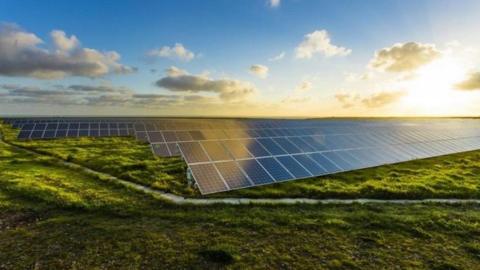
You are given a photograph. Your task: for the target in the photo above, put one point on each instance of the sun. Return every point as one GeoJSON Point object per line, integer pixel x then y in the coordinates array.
{"type": "Point", "coordinates": [431, 90]}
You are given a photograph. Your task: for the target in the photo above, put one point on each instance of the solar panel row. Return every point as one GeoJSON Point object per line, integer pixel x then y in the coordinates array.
{"type": "Point", "coordinates": [217, 176]}
{"type": "Point", "coordinates": [226, 154]}
{"type": "Point", "coordinates": [60, 130]}
{"type": "Point", "coordinates": [265, 146]}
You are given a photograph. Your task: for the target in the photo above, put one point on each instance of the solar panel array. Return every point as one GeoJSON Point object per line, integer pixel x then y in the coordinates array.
{"type": "Point", "coordinates": [228, 154]}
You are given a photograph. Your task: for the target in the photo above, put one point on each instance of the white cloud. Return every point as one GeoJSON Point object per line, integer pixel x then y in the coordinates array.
{"type": "Point", "coordinates": [381, 99]}
{"type": "Point", "coordinates": [347, 100]}
{"type": "Point", "coordinates": [277, 57]}
{"type": "Point", "coordinates": [376, 100]}
{"type": "Point", "coordinates": [260, 71]}
{"type": "Point", "coordinates": [174, 71]}
{"type": "Point", "coordinates": [404, 57]}
{"type": "Point", "coordinates": [304, 86]}
{"type": "Point", "coordinates": [471, 83]}
{"type": "Point", "coordinates": [274, 3]}
{"type": "Point", "coordinates": [355, 77]}
{"type": "Point", "coordinates": [318, 42]}
{"type": "Point", "coordinates": [62, 42]}
{"type": "Point", "coordinates": [176, 52]}
{"type": "Point", "coordinates": [20, 55]}
{"type": "Point", "coordinates": [228, 90]}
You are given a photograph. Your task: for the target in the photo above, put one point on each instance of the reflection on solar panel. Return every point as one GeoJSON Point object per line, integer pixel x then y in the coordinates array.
{"type": "Point", "coordinates": [226, 154]}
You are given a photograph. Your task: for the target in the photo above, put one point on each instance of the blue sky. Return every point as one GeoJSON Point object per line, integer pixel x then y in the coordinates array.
{"type": "Point", "coordinates": [228, 37]}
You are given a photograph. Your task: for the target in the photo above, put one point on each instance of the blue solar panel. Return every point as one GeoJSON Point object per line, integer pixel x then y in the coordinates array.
{"type": "Point", "coordinates": [255, 171]}
{"type": "Point", "coordinates": [72, 133]}
{"type": "Point", "coordinates": [287, 145]}
{"type": "Point", "coordinates": [94, 133]}
{"type": "Point", "coordinates": [61, 133]}
{"type": "Point", "coordinates": [339, 161]}
{"type": "Point", "coordinates": [36, 134]}
{"type": "Point", "coordinates": [301, 144]}
{"type": "Point", "coordinates": [49, 134]}
{"type": "Point", "coordinates": [313, 167]}
{"type": "Point", "coordinates": [328, 165]}
{"type": "Point", "coordinates": [24, 134]}
{"type": "Point", "coordinates": [255, 148]}
{"type": "Point", "coordinates": [276, 170]}
{"type": "Point", "coordinates": [358, 144]}
{"type": "Point", "coordinates": [293, 167]}
{"type": "Point", "coordinates": [271, 146]}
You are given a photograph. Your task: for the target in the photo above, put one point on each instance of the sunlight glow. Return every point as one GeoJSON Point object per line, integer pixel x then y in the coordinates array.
{"type": "Point", "coordinates": [431, 90]}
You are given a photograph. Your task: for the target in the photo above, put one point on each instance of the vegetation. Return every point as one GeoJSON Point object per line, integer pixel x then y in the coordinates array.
{"type": "Point", "coordinates": [453, 176]}
{"type": "Point", "coordinates": [54, 217]}
{"type": "Point", "coordinates": [125, 158]}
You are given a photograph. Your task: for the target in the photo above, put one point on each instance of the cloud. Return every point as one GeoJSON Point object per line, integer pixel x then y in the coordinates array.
{"type": "Point", "coordinates": [277, 57]}
{"type": "Point", "coordinates": [260, 71]}
{"type": "Point", "coordinates": [178, 51]}
{"type": "Point", "coordinates": [274, 3]}
{"type": "Point", "coordinates": [355, 77]}
{"type": "Point", "coordinates": [403, 57]}
{"type": "Point", "coordinates": [228, 90]}
{"type": "Point", "coordinates": [383, 98]}
{"type": "Point", "coordinates": [304, 86]}
{"type": "Point", "coordinates": [347, 100]}
{"type": "Point", "coordinates": [174, 71]}
{"type": "Point", "coordinates": [471, 83]}
{"type": "Point", "coordinates": [98, 88]}
{"type": "Point", "coordinates": [92, 95]}
{"type": "Point", "coordinates": [21, 55]}
{"type": "Point", "coordinates": [318, 42]}
{"type": "Point", "coordinates": [296, 100]}
{"type": "Point", "coordinates": [62, 42]}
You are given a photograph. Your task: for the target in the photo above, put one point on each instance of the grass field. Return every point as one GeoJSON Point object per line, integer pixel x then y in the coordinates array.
{"type": "Point", "coordinates": [454, 176]}
{"type": "Point", "coordinates": [52, 217]}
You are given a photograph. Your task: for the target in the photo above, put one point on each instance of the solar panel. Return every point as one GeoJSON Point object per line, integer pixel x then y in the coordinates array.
{"type": "Point", "coordinates": [255, 148]}
{"type": "Point", "coordinates": [208, 179]}
{"type": "Point", "coordinates": [236, 149]}
{"type": "Point", "coordinates": [215, 150]}
{"type": "Point", "coordinates": [275, 169]}
{"type": "Point", "coordinates": [160, 149]}
{"type": "Point", "coordinates": [255, 172]}
{"type": "Point", "coordinates": [312, 166]}
{"type": "Point", "coordinates": [288, 146]}
{"type": "Point", "coordinates": [295, 168]}
{"type": "Point", "coordinates": [271, 146]}
{"type": "Point", "coordinates": [247, 152]}
{"type": "Point", "coordinates": [193, 152]}
{"type": "Point", "coordinates": [232, 174]}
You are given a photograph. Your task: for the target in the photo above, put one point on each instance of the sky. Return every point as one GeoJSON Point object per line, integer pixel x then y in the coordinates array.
{"type": "Point", "coordinates": [279, 58]}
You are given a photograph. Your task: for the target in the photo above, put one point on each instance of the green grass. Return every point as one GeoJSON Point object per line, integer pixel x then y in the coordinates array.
{"type": "Point", "coordinates": [53, 217]}
{"type": "Point", "coordinates": [453, 176]}
{"type": "Point", "coordinates": [125, 158]}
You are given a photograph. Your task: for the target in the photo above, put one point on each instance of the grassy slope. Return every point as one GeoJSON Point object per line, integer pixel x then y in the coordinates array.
{"type": "Point", "coordinates": [54, 218]}
{"type": "Point", "coordinates": [454, 176]}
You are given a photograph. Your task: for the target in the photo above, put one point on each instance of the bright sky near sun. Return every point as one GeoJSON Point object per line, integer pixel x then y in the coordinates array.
{"type": "Point", "coordinates": [240, 58]}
